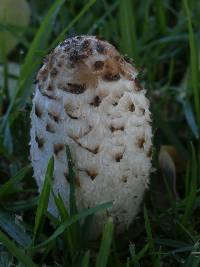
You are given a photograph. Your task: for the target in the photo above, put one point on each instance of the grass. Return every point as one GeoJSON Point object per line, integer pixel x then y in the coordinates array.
{"type": "Point", "coordinates": [163, 39]}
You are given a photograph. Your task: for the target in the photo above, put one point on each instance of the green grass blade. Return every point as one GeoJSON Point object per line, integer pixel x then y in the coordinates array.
{"type": "Point", "coordinates": [5, 259]}
{"type": "Point", "coordinates": [187, 179]}
{"type": "Point", "coordinates": [127, 29]}
{"type": "Point", "coordinates": [168, 132]}
{"type": "Point", "coordinates": [61, 207]}
{"type": "Point", "coordinates": [43, 200]}
{"type": "Point", "coordinates": [134, 259]}
{"type": "Point", "coordinates": [41, 38]}
{"type": "Point", "coordinates": [128, 262]}
{"type": "Point", "coordinates": [171, 243]}
{"type": "Point", "coordinates": [141, 253]}
{"type": "Point", "coordinates": [8, 187]}
{"type": "Point", "coordinates": [86, 230]}
{"type": "Point", "coordinates": [33, 59]}
{"type": "Point", "coordinates": [189, 115]}
{"type": "Point", "coordinates": [160, 16]}
{"type": "Point", "coordinates": [86, 259]}
{"type": "Point", "coordinates": [8, 141]}
{"type": "Point", "coordinates": [16, 31]}
{"type": "Point", "coordinates": [194, 259]}
{"type": "Point", "coordinates": [186, 232]}
{"type": "Point", "coordinates": [72, 220]}
{"type": "Point", "coordinates": [15, 230]}
{"type": "Point", "coordinates": [64, 216]}
{"type": "Point", "coordinates": [149, 235]}
{"type": "Point", "coordinates": [189, 206]}
{"type": "Point", "coordinates": [15, 251]}
{"type": "Point", "coordinates": [101, 21]}
{"type": "Point", "coordinates": [193, 62]}
{"type": "Point", "coordinates": [180, 250]}
{"type": "Point", "coordinates": [3, 56]}
{"type": "Point", "coordinates": [104, 251]}
{"type": "Point", "coordinates": [62, 35]}
{"type": "Point", "coordinates": [22, 205]}
{"type": "Point", "coordinates": [146, 14]}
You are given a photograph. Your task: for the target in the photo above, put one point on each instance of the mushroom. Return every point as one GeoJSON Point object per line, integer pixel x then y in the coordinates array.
{"type": "Point", "coordinates": [88, 97]}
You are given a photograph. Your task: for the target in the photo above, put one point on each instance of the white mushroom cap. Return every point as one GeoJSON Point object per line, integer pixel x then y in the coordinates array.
{"type": "Point", "coordinates": [88, 97]}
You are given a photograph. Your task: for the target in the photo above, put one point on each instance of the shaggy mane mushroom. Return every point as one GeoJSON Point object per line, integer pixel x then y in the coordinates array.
{"type": "Point", "coordinates": [88, 96]}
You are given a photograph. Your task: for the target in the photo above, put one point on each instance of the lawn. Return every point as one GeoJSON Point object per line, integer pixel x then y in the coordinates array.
{"type": "Point", "coordinates": [162, 38]}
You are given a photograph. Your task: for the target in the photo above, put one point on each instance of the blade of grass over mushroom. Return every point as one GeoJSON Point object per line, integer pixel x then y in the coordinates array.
{"type": "Point", "coordinates": [15, 231]}
{"type": "Point", "coordinates": [43, 200]}
{"type": "Point", "coordinates": [8, 187]}
{"type": "Point", "coordinates": [193, 62]}
{"type": "Point", "coordinates": [127, 28]}
{"type": "Point", "coordinates": [33, 59]}
{"type": "Point", "coordinates": [77, 217]}
{"type": "Point", "coordinates": [15, 251]}
{"type": "Point", "coordinates": [61, 36]}
{"type": "Point", "coordinates": [105, 246]}
{"type": "Point", "coordinates": [64, 216]}
{"type": "Point", "coordinates": [54, 220]}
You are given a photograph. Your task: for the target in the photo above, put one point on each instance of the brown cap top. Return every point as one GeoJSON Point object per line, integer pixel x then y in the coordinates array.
{"type": "Point", "coordinates": [84, 60]}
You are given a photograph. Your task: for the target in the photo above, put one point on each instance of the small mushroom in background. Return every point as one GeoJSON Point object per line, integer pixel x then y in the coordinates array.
{"type": "Point", "coordinates": [88, 96]}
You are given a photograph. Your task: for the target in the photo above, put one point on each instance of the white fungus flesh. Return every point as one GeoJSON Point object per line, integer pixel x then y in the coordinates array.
{"type": "Point", "coordinates": [88, 97]}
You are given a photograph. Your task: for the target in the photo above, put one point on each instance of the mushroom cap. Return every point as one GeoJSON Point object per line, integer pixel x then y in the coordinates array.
{"type": "Point", "coordinates": [88, 96]}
